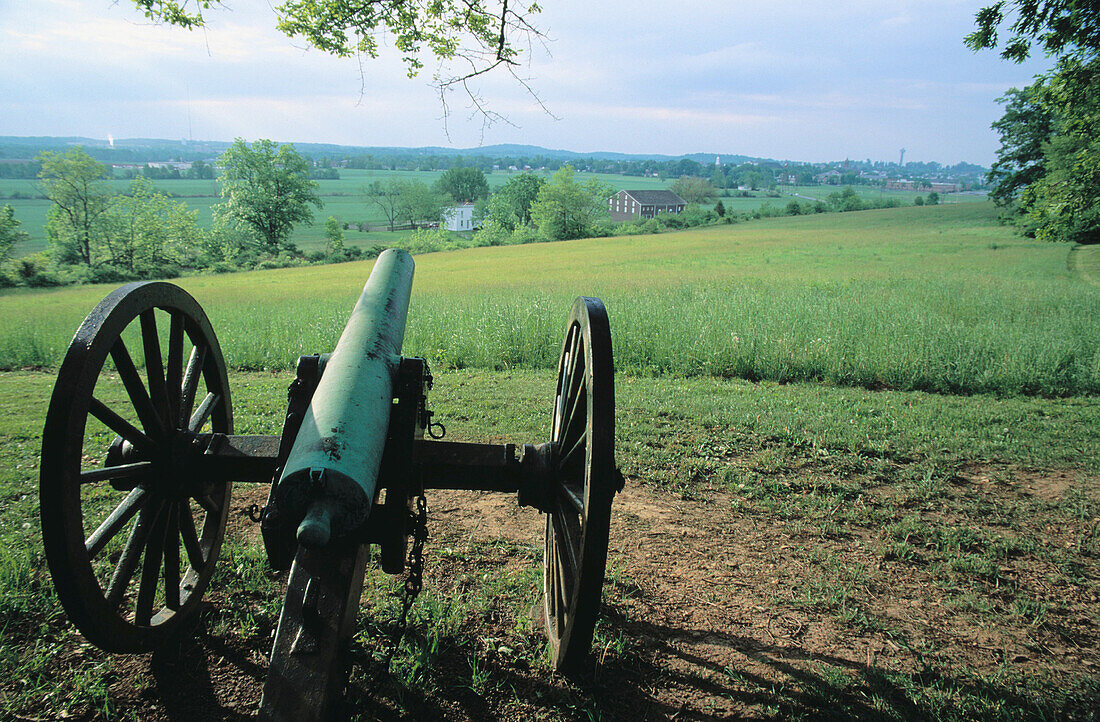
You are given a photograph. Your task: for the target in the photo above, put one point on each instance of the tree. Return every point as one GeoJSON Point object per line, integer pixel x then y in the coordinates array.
{"type": "Point", "coordinates": [268, 189]}
{"type": "Point", "coordinates": [146, 232]}
{"type": "Point", "coordinates": [511, 205]}
{"type": "Point", "coordinates": [200, 170]}
{"type": "Point", "coordinates": [464, 185]}
{"type": "Point", "coordinates": [1064, 204]}
{"type": "Point", "coordinates": [566, 209]}
{"type": "Point", "coordinates": [720, 209]}
{"type": "Point", "coordinates": [1060, 27]}
{"type": "Point", "coordinates": [387, 198]}
{"type": "Point", "coordinates": [335, 235]}
{"type": "Point", "coordinates": [74, 182]}
{"type": "Point", "coordinates": [9, 232]}
{"type": "Point", "coordinates": [1048, 167]}
{"type": "Point", "coordinates": [847, 200]}
{"type": "Point", "coordinates": [1025, 128]}
{"type": "Point", "coordinates": [419, 204]}
{"type": "Point", "coordinates": [933, 198]}
{"type": "Point", "coordinates": [693, 189]}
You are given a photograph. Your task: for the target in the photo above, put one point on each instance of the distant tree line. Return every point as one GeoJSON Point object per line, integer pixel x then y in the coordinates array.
{"type": "Point", "coordinates": [755, 175]}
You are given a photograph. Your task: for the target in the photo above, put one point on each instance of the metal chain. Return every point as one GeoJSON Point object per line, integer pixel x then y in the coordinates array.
{"type": "Point", "coordinates": [414, 582]}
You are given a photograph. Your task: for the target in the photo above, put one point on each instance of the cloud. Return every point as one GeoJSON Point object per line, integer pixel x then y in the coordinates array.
{"type": "Point", "coordinates": [786, 78]}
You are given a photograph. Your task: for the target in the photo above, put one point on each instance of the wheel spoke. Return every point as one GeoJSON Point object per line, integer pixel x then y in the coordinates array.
{"type": "Point", "coordinates": [150, 573]}
{"type": "Point", "coordinates": [114, 523]}
{"type": "Point", "coordinates": [565, 385]}
{"type": "Point", "coordinates": [553, 591]}
{"type": "Point", "coordinates": [566, 576]}
{"type": "Point", "coordinates": [147, 415]}
{"type": "Point", "coordinates": [576, 374]}
{"type": "Point", "coordinates": [190, 538]}
{"type": "Point", "coordinates": [172, 559]}
{"type": "Point", "coordinates": [579, 445]}
{"type": "Point", "coordinates": [568, 430]}
{"type": "Point", "coordinates": [121, 426]}
{"type": "Point", "coordinates": [127, 563]}
{"type": "Point", "coordinates": [206, 501]}
{"type": "Point", "coordinates": [202, 414]}
{"type": "Point", "coordinates": [191, 380]}
{"type": "Point", "coordinates": [575, 500]}
{"type": "Point", "coordinates": [122, 471]}
{"type": "Point", "coordinates": [154, 366]}
{"type": "Point", "coordinates": [566, 541]}
{"type": "Point", "coordinates": [173, 376]}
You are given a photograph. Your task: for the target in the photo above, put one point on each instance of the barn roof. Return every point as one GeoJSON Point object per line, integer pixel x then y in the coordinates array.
{"type": "Point", "coordinates": [656, 198]}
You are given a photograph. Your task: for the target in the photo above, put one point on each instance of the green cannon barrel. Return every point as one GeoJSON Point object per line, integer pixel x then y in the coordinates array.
{"type": "Point", "coordinates": [331, 475]}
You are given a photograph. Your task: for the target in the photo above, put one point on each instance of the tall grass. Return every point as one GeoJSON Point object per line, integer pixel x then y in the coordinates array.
{"type": "Point", "coordinates": [942, 336]}
{"type": "Point", "coordinates": [934, 299]}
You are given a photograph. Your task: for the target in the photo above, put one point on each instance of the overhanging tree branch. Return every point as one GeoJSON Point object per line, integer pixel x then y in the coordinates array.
{"type": "Point", "coordinates": [483, 34]}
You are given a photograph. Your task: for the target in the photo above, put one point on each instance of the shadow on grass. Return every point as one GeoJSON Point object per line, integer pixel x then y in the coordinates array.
{"type": "Point", "coordinates": [202, 676]}
{"type": "Point", "coordinates": [661, 674]}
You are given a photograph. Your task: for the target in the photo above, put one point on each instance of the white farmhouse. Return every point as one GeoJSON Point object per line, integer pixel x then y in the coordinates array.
{"type": "Point", "coordinates": [459, 218]}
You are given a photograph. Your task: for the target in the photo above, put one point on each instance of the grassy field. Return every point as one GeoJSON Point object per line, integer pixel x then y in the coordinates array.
{"type": "Point", "coordinates": [936, 299]}
{"type": "Point", "coordinates": [343, 200]}
{"type": "Point", "coordinates": [817, 539]}
{"type": "Point", "coordinates": [883, 555]}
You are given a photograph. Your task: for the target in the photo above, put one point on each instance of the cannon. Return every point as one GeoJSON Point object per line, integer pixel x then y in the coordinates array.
{"type": "Point", "coordinates": [137, 469]}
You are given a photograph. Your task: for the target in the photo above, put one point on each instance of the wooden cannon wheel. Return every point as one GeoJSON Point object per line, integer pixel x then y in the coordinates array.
{"type": "Point", "coordinates": [584, 483]}
{"type": "Point", "coordinates": [117, 513]}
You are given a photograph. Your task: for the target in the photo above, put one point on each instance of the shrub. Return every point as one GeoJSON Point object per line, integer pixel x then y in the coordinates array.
{"type": "Point", "coordinates": [493, 234]}
{"type": "Point", "coordinates": [526, 233]}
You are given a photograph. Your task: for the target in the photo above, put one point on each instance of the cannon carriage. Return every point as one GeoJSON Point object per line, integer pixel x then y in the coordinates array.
{"type": "Point", "coordinates": [134, 505]}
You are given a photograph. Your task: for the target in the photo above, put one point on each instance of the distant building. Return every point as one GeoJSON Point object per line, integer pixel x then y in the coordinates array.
{"type": "Point", "coordinates": [911, 185]}
{"type": "Point", "coordinates": [459, 218]}
{"type": "Point", "coordinates": [628, 205]}
{"type": "Point", "coordinates": [177, 164]}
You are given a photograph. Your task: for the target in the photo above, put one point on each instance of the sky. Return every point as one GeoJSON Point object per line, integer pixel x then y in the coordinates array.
{"type": "Point", "coordinates": [800, 81]}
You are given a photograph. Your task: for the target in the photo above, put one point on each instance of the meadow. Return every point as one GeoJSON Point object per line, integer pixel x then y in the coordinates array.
{"type": "Point", "coordinates": [939, 299]}
{"type": "Point", "coordinates": [806, 533]}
